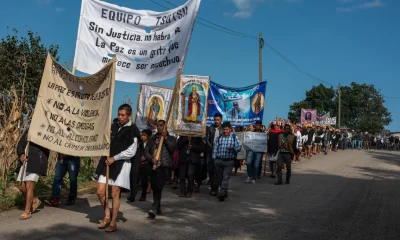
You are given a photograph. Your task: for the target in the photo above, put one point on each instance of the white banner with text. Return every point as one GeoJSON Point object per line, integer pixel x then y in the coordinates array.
{"type": "Point", "coordinates": [150, 46]}
{"type": "Point", "coordinates": [73, 114]}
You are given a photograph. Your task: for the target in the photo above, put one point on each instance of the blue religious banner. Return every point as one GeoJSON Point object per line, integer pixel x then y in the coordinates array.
{"type": "Point", "coordinates": [240, 106]}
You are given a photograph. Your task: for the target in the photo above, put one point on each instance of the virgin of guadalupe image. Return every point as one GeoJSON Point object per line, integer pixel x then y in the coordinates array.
{"type": "Point", "coordinates": [154, 110]}
{"type": "Point", "coordinates": [193, 110]}
{"type": "Point", "coordinates": [257, 103]}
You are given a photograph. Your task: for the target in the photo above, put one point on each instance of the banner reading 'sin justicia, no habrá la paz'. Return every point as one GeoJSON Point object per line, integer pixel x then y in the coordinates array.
{"type": "Point", "coordinates": [72, 114]}
{"type": "Point", "coordinates": [150, 46]}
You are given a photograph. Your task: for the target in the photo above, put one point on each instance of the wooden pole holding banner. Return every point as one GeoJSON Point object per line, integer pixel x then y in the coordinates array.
{"type": "Point", "coordinates": [112, 86]}
{"type": "Point", "coordinates": [169, 114]}
{"type": "Point", "coordinates": [175, 92]}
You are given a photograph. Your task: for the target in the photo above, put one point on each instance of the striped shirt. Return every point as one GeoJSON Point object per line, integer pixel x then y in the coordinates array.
{"type": "Point", "coordinates": [220, 149]}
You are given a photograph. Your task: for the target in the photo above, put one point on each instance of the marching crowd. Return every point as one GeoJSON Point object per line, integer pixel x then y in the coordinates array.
{"type": "Point", "coordinates": [150, 161]}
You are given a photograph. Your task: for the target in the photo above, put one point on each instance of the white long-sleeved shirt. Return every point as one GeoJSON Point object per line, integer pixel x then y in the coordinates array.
{"type": "Point", "coordinates": [130, 151]}
{"type": "Point", "coordinates": [299, 140]}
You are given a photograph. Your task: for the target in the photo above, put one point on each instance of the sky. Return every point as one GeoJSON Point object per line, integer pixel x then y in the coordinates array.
{"type": "Point", "coordinates": [338, 41]}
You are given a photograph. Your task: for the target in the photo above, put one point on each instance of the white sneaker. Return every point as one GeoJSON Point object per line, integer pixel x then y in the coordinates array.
{"type": "Point", "coordinates": [253, 181]}
{"type": "Point", "coordinates": [248, 180]}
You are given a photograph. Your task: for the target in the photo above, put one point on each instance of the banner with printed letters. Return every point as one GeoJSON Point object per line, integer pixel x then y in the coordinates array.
{"type": "Point", "coordinates": [150, 46]}
{"type": "Point", "coordinates": [73, 114]}
{"type": "Point", "coordinates": [240, 106]}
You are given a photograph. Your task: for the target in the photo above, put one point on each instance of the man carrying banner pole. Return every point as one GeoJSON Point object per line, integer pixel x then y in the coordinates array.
{"type": "Point", "coordinates": [125, 140]}
{"type": "Point", "coordinates": [165, 146]}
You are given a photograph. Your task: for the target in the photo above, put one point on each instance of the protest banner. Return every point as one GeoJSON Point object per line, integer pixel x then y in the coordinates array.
{"type": "Point", "coordinates": [153, 104]}
{"type": "Point", "coordinates": [255, 141]}
{"type": "Point", "coordinates": [308, 116]}
{"type": "Point", "coordinates": [73, 114]}
{"type": "Point", "coordinates": [326, 120]}
{"type": "Point", "coordinates": [240, 106]}
{"type": "Point", "coordinates": [191, 106]}
{"type": "Point", "coordinates": [150, 46]}
{"type": "Point", "coordinates": [242, 154]}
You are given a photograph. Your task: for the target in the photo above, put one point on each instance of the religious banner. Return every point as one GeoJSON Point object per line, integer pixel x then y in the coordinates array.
{"type": "Point", "coordinates": [191, 106]}
{"type": "Point", "coordinates": [150, 46]}
{"type": "Point", "coordinates": [73, 114]}
{"type": "Point", "coordinates": [240, 106]}
{"type": "Point", "coordinates": [153, 104]}
{"type": "Point", "coordinates": [255, 141]}
{"type": "Point", "coordinates": [308, 116]}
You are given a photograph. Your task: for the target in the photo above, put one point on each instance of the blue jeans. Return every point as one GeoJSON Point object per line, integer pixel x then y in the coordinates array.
{"type": "Point", "coordinates": [326, 146]}
{"type": "Point", "coordinates": [253, 161]}
{"type": "Point", "coordinates": [360, 142]}
{"type": "Point", "coordinates": [354, 144]}
{"type": "Point", "coordinates": [70, 165]}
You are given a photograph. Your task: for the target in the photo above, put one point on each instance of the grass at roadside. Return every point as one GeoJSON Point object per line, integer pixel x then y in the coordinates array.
{"type": "Point", "coordinates": [10, 197]}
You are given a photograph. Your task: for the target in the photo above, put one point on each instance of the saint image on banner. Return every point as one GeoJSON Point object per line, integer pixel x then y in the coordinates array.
{"type": "Point", "coordinates": [154, 111]}
{"type": "Point", "coordinates": [258, 103]}
{"type": "Point", "coordinates": [193, 108]}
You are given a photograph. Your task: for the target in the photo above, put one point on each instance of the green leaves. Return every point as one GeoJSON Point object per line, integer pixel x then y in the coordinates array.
{"type": "Point", "coordinates": [362, 106]}
{"type": "Point", "coordinates": [18, 51]}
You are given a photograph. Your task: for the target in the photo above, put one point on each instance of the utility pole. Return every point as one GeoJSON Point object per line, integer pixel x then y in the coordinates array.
{"type": "Point", "coordinates": [260, 46]}
{"type": "Point", "coordinates": [340, 105]}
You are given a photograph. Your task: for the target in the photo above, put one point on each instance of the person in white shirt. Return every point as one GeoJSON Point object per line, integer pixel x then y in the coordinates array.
{"type": "Point", "coordinates": [125, 140]}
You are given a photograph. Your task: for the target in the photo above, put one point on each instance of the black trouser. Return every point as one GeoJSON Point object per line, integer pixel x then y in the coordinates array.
{"type": "Point", "coordinates": [287, 159]}
{"type": "Point", "coordinates": [168, 174]}
{"type": "Point", "coordinates": [144, 175]}
{"type": "Point", "coordinates": [199, 171]}
{"type": "Point", "coordinates": [157, 180]}
{"type": "Point", "coordinates": [212, 176]}
{"type": "Point", "coordinates": [236, 165]}
{"type": "Point", "coordinates": [186, 170]}
{"type": "Point", "coordinates": [134, 177]}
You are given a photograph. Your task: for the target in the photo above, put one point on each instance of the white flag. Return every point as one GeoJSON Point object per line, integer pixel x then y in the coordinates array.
{"type": "Point", "coordinates": [150, 46]}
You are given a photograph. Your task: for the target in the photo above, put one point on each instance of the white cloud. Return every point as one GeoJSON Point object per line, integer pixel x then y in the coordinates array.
{"type": "Point", "coordinates": [242, 14]}
{"type": "Point", "coordinates": [60, 9]}
{"type": "Point", "coordinates": [245, 8]}
{"type": "Point", "coordinates": [373, 4]}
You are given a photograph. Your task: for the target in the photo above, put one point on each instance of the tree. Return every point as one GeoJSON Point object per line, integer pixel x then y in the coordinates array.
{"type": "Point", "coordinates": [319, 97]}
{"type": "Point", "coordinates": [362, 106]}
{"type": "Point", "coordinates": [24, 54]}
{"type": "Point", "coordinates": [22, 63]}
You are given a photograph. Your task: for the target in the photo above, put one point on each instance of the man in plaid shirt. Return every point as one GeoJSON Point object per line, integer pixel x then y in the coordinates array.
{"type": "Point", "coordinates": [224, 154]}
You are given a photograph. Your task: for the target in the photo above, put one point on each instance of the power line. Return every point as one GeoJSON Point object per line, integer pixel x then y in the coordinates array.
{"type": "Point", "coordinates": [222, 30]}
{"type": "Point", "coordinates": [274, 50]}
{"type": "Point", "coordinates": [233, 32]}
{"type": "Point", "coordinates": [205, 20]}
